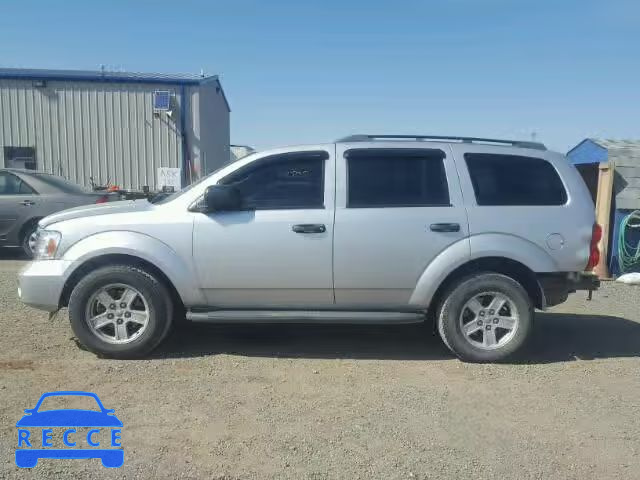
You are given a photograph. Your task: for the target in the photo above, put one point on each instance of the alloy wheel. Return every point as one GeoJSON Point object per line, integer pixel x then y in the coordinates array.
{"type": "Point", "coordinates": [31, 241]}
{"type": "Point", "coordinates": [117, 313]}
{"type": "Point", "coordinates": [489, 320]}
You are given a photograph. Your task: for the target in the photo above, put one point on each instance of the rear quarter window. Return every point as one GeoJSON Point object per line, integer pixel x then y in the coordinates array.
{"type": "Point", "coordinates": [59, 183]}
{"type": "Point", "coordinates": [514, 180]}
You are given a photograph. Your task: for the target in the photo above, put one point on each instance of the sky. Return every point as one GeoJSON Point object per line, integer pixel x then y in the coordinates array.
{"type": "Point", "coordinates": [313, 71]}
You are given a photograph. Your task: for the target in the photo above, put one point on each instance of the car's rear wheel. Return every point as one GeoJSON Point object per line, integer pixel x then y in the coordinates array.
{"type": "Point", "coordinates": [485, 317]}
{"type": "Point", "coordinates": [120, 311]}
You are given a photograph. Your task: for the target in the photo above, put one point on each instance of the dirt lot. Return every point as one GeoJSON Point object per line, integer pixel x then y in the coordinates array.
{"type": "Point", "coordinates": [343, 402]}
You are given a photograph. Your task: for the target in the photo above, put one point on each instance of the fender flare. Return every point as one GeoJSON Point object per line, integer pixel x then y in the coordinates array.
{"type": "Point", "coordinates": [149, 249]}
{"type": "Point", "coordinates": [476, 247]}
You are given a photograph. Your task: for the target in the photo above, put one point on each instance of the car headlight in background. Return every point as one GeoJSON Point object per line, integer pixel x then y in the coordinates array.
{"type": "Point", "coordinates": [47, 242]}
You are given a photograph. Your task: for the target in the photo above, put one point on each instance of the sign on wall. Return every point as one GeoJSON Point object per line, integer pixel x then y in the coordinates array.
{"type": "Point", "coordinates": [170, 177]}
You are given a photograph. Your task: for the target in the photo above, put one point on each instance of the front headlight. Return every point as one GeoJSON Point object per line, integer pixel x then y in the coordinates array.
{"type": "Point", "coordinates": [47, 242]}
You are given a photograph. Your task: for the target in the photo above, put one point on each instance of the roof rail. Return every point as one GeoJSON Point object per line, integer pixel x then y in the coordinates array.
{"type": "Point", "coordinates": [446, 138]}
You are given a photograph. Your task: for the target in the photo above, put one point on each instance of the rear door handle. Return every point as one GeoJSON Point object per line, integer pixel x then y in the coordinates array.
{"type": "Point", "coordinates": [309, 228]}
{"type": "Point", "coordinates": [445, 227]}
{"type": "Point", "coordinates": [27, 203]}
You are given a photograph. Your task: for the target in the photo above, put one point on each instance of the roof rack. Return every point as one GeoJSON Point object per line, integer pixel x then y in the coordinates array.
{"type": "Point", "coordinates": [446, 138]}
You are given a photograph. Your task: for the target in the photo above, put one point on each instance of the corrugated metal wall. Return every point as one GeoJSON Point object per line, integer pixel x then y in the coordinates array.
{"type": "Point", "coordinates": [627, 181]}
{"type": "Point", "coordinates": [107, 131]}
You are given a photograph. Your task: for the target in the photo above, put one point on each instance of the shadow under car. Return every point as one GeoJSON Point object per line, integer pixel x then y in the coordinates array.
{"type": "Point", "coordinates": [557, 337]}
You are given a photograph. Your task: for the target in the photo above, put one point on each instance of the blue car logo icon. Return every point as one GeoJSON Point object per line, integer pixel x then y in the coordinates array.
{"type": "Point", "coordinates": [95, 422]}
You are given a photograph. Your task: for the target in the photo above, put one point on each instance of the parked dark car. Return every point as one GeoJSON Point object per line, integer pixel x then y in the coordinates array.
{"type": "Point", "coordinates": [27, 196]}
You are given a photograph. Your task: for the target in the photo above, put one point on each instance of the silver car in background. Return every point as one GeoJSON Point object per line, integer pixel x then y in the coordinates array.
{"type": "Point", "coordinates": [27, 196]}
{"type": "Point", "coordinates": [470, 234]}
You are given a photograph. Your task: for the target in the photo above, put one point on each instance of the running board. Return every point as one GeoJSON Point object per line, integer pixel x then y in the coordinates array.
{"type": "Point", "coordinates": [303, 316]}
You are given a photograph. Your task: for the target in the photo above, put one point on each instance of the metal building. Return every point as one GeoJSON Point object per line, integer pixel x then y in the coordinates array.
{"type": "Point", "coordinates": [112, 127]}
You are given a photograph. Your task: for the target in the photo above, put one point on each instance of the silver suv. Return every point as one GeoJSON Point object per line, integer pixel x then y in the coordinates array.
{"type": "Point", "coordinates": [470, 234]}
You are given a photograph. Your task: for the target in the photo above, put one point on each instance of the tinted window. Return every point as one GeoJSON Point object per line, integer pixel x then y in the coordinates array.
{"type": "Point", "coordinates": [396, 178]}
{"type": "Point", "coordinates": [282, 181]}
{"type": "Point", "coordinates": [25, 189]}
{"type": "Point", "coordinates": [514, 180]}
{"type": "Point", "coordinates": [12, 185]}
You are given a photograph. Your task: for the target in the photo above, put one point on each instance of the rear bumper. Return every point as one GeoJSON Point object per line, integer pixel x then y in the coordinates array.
{"type": "Point", "coordinates": [585, 281]}
{"type": "Point", "coordinates": [40, 284]}
{"type": "Point", "coordinates": [557, 286]}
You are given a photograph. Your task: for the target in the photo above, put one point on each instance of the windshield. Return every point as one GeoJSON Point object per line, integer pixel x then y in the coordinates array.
{"type": "Point", "coordinates": [162, 198]}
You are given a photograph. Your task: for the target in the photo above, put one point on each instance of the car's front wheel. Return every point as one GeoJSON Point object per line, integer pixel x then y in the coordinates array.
{"type": "Point", "coordinates": [485, 317]}
{"type": "Point", "coordinates": [28, 240]}
{"type": "Point", "coordinates": [120, 311]}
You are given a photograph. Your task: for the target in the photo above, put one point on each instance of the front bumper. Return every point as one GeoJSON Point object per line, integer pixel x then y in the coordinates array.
{"type": "Point", "coordinates": [40, 283]}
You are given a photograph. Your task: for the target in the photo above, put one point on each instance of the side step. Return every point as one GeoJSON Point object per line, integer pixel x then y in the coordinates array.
{"type": "Point", "coordinates": [304, 316]}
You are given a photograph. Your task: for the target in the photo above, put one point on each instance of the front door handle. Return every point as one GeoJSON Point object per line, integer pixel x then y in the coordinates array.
{"type": "Point", "coordinates": [27, 203]}
{"type": "Point", "coordinates": [309, 228]}
{"type": "Point", "coordinates": [445, 227]}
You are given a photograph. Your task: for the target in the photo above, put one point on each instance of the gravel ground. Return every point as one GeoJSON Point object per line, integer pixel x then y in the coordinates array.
{"type": "Point", "coordinates": [307, 402]}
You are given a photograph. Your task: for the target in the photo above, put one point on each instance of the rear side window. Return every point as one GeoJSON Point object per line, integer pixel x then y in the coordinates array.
{"type": "Point", "coordinates": [59, 183]}
{"type": "Point", "coordinates": [396, 178]}
{"type": "Point", "coordinates": [514, 180]}
{"type": "Point", "coordinates": [12, 185]}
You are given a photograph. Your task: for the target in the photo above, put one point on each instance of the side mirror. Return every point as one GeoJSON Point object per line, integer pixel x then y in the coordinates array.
{"type": "Point", "coordinates": [222, 198]}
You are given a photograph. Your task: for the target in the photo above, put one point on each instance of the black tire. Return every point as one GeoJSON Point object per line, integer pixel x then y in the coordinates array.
{"type": "Point", "coordinates": [451, 309]}
{"type": "Point", "coordinates": [24, 240]}
{"type": "Point", "coordinates": [160, 309]}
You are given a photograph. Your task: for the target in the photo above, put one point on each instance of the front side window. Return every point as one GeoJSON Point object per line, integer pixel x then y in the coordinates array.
{"type": "Point", "coordinates": [396, 178]}
{"type": "Point", "coordinates": [288, 181]}
{"type": "Point", "coordinates": [501, 180]}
